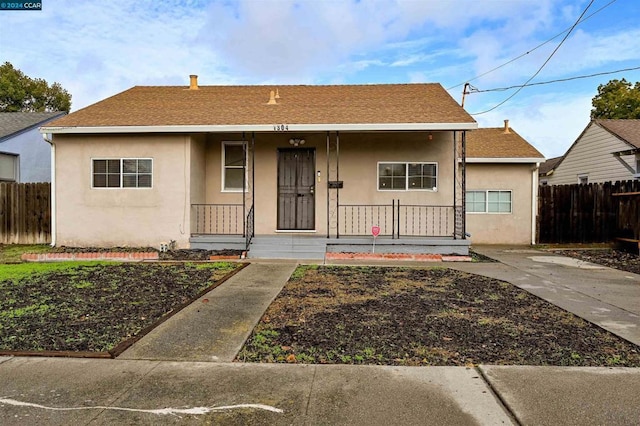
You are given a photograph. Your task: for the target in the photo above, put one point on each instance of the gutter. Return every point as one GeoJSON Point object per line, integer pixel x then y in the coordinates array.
{"type": "Point", "coordinates": [53, 187]}
{"type": "Point", "coordinates": [356, 127]}
{"type": "Point", "coordinates": [534, 202]}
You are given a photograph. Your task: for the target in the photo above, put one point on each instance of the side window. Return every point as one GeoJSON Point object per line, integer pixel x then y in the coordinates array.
{"type": "Point", "coordinates": [488, 201]}
{"type": "Point", "coordinates": [9, 167]}
{"type": "Point", "coordinates": [122, 173]}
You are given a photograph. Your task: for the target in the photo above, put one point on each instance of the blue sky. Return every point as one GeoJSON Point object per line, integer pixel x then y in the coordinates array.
{"type": "Point", "coordinates": [96, 49]}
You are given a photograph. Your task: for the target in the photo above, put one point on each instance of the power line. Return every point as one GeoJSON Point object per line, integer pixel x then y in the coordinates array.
{"type": "Point", "coordinates": [543, 65]}
{"type": "Point", "coordinates": [502, 89]}
{"type": "Point", "coordinates": [534, 49]}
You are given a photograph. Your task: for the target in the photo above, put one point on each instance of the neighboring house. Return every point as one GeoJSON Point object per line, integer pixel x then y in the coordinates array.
{"type": "Point", "coordinates": [547, 168]}
{"type": "Point", "coordinates": [283, 169]}
{"type": "Point", "coordinates": [24, 155]}
{"type": "Point", "coordinates": [501, 187]}
{"type": "Point", "coordinates": [606, 151]}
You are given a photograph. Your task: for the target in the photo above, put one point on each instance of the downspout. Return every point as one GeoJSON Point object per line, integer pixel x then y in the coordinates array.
{"type": "Point", "coordinates": [53, 188]}
{"type": "Point", "coordinates": [534, 202]}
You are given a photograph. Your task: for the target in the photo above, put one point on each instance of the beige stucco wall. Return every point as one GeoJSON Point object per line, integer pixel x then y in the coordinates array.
{"type": "Point", "coordinates": [502, 228]}
{"type": "Point", "coordinates": [358, 166]}
{"type": "Point", "coordinates": [125, 216]}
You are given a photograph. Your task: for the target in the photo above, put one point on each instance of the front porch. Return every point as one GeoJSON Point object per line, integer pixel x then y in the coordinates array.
{"type": "Point", "coordinates": [415, 229]}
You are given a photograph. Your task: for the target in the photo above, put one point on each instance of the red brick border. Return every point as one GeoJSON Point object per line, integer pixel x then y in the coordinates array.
{"type": "Point", "coordinates": [417, 257]}
{"type": "Point", "coordinates": [119, 256]}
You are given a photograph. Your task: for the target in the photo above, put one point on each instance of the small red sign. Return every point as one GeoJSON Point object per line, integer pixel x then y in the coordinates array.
{"type": "Point", "coordinates": [375, 230]}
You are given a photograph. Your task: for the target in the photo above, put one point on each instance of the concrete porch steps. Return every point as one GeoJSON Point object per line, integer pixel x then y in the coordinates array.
{"type": "Point", "coordinates": [287, 247]}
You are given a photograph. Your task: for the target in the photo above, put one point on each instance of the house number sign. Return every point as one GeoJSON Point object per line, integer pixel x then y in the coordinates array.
{"type": "Point", "coordinates": [280, 127]}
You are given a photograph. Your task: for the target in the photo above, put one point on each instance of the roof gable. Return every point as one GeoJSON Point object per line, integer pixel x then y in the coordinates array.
{"type": "Point", "coordinates": [626, 130]}
{"type": "Point", "coordinates": [295, 105]}
{"type": "Point", "coordinates": [495, 143]}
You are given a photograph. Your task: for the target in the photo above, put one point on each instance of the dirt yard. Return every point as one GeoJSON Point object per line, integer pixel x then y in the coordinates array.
{"type": "Point", "coordinates": [92, 306]}
{"type": "Point", "coordinates": [397, 316]}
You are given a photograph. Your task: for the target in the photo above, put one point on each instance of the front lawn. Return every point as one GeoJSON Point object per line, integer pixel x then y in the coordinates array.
{"type": "Point", "coordinates": [93, 306]}
{"type": "Point", "coordinates": [404, 316]}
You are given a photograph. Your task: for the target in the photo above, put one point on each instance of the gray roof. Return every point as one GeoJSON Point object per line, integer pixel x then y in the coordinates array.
{"type": "Point", "coordinates": [13, 123]}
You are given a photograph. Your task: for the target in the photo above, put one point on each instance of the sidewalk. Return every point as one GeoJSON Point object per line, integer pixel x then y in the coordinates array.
{"type": "Point", "coordinates": [601, 295]}
{"type": "Point", "coordinates": [215, 326]}
{"type": "Point", "coordinates": [57, 391]}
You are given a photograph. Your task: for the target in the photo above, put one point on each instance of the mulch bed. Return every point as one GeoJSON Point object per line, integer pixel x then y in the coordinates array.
{"type": "Point", "coordinates": [96, 307]}
{"type": "Point", "coordinates": [612, 258]}
{"type": "Point", "coordinates": [402, 316]}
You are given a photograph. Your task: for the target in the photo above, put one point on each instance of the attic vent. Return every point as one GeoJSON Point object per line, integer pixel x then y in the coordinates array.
{"type": "Point", "coordinates": [506, 126]}
{"type": "Point", "coordinates": [272, 98]}
{"type": "Point", "coordinates": [193, 83]}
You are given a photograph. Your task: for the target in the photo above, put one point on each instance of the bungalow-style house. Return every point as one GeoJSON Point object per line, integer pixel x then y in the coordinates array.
{"type": "Point", "coordinates": [284, 171]}
{"type": "Point", "coordinates": [501, 187]}
{"type": "Point", "coordinates": [546, 169]}
{"type": "Point", "coordinates": [605, 151]}
{"type": "Point", "coordinates": [24, 156]}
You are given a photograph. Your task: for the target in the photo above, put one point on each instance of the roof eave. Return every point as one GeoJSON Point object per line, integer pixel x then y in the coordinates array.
{"type": "Point", "coordinates": [521, 160]}
{"type": "Point", "coordinates": [262, 128]}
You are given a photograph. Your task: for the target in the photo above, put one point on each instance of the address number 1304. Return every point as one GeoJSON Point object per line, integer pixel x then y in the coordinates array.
{"type": "Point", "coordinates": [280, 127]}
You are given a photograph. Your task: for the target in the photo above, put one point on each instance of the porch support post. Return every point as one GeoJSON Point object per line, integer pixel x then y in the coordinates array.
{"type": "Point", "coordinates": [455, 181]}
{"type": "Point", "coordinates": [464, 185]}
{"type": "Point", "coordinates": [244, 185]}
{"type": "Point", "coordinates": [327, 177]}
{"type": "Point", "coordinates": [338, 179]}
{"type": "Point", "coordinates": [253, 182]}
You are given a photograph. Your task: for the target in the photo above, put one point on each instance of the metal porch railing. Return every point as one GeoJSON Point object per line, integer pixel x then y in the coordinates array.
{"type": "Point", "coordinates": [217, 219]}
{"type": "Point", "coordinates": [396, 220]}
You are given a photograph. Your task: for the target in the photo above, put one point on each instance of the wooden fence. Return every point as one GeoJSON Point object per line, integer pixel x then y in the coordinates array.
{"type": "Point", "coordinates": [25, 213]}
{"type": "Point", "coordinates": [593, 213]}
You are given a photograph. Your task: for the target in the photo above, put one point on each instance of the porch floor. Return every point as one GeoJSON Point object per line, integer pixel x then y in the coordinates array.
{"type": "Point", "coordinates": [296, 246]}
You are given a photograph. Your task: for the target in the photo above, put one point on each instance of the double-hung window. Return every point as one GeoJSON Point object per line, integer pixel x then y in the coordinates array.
{"type": "Point", "coordinates": [234, 166]}
{"type": "Point", "coordinates": [398, 176]}
{"type": "Point", "coordinates": [9, 167]}
{"type": "Point", "coordinates": [488, 201]}
{"type": "Point", "coordinates": [122, 173]}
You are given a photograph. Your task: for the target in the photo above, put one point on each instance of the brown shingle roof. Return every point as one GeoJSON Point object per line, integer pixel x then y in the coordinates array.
{"type": "Point", "coordinates": [627, 130]}
{"type": "Point", "coordinates": [247, 105]}
{"type": "Point", "coordinates": [493, 142]}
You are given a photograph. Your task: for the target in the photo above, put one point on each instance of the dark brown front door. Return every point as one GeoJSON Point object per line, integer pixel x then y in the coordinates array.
{"type": "Point", "coordinates": [296, 189]}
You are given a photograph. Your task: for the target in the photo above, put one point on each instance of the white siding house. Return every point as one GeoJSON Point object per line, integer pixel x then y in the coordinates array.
{"type": "Point", "coordinates": [606, 151]}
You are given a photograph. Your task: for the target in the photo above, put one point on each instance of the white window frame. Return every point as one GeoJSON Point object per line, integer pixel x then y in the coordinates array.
{"type": "Point", "coordinates": [121, 159]}
{"type": "Point", "coordinates": [223, 167]}
{"type": "Point", "coordinates": [16, 166]}
{"type": "Point", "coordinates": [584, 176]}
{"type": "Point", "coordinates": [486, 200]}
{"type": "Point", "coordinates": [406, 176]}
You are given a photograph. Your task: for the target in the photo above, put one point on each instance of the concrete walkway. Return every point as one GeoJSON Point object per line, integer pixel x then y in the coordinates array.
{"type": "Point", "coordinates": [214, 327]}
{"type": "Point", "coordinates": [604, 296]}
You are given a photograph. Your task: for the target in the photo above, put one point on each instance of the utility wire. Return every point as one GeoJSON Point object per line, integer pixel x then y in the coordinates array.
{"type": "Point", "coordinates": [532, 50]}
{"type": "Point", "coordinates": [502, 89]}
{"type": "Point", "coordinates": [543, 65]}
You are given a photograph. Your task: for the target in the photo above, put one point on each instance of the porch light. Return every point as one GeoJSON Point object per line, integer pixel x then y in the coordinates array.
{"type": "Point", "coordinates": [296, 141]}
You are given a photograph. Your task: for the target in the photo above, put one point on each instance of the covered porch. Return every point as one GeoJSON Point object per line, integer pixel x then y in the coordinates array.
{"type": "Point", "coordinates": [304, 196]}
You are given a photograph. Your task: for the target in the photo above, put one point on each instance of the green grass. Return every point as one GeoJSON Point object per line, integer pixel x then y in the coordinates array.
{"type": "Point", "coordinates": [18, 271]}
{"type": "Point", "coordinates": [10, 253]}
